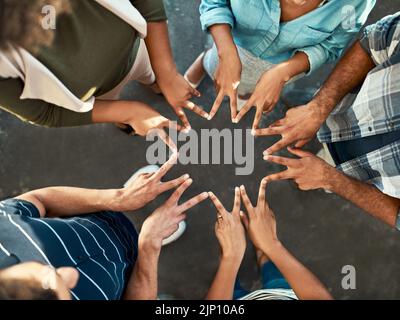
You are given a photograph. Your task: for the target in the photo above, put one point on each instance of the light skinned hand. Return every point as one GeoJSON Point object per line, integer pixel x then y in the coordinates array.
{"type": "Point", "coordinates": [309, 172]}
{"type": "Point", "coordinates": [260, 221]}
{"type": "Point", "coordinates": [164, 221]}
{"type": "Point", "coordinates": [227, 79]}
{"type": "Point", "coordinates": [148, 186]}
{"type": "Point", "coordinates": [299, 126]}
{"type": "Point", "coordinates": [229, 229]}
{"type": "Point", "coordinates": [178, 92]}
{"type": "Point", "coordinates": [265, 96]}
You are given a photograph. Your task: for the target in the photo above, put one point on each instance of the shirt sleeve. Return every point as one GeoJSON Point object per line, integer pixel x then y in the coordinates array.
{"type": "Point", "coordinates": [215, 12]}
{"type": "Point", "coordinates": [330, 49]}
{"type": "Point", "coordinates": [151, 10]}
{"type": "Point", "coordinates": [381, 40]}
{"type": "Point", "coordinates": [19, 207]}
{"type": "Point", "coordinates": [37, 111]}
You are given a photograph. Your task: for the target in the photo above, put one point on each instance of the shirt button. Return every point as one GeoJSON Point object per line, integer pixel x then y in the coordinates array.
{"type": "Point", "coordinates": [353, 133]}
{"type": "Point", "coordinates": [340, 135]}
{"type": "Point", "coordinates": [369, 128]}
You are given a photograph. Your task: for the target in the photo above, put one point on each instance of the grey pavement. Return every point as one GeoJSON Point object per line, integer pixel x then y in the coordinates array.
{"type": "Point", "coordinates": [322, 230]}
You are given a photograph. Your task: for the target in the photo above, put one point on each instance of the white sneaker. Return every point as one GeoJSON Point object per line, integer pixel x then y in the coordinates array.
{"type": "Point", "coordinates": [182, 225]}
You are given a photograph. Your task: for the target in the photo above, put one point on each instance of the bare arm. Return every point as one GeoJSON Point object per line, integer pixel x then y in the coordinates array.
{"type": "Point", "coordinates": [175, 88]}
{"type": "Point", "coordinates": [350, 72]}
{"type": "Point", "coordinates": [366, 197]}
{"type": "Point", "coordinates": [311, 172]}
{"type": "Point", "coordinates": [231, 236]}
{"type": "Point", "coordinates": [158, 226]}
{"type": "Point", "coordinates": [303, 282]}
{"type": "Point", "coordinates": [224, 281]}
{"type": "Point", "coordinates": [301, 124]}
{"type": "Point", "coordinates": [67, 201]}
{"type": "Point", "coordinates": [261, 225]}
{"type": "Point", "coordinates": [143, 284]}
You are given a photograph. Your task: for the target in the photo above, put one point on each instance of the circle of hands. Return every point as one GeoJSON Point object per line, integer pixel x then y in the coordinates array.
{"type": "Point", "coordinates": [296, 129]}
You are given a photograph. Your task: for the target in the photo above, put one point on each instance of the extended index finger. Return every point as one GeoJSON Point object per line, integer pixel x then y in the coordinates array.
{"type": "Point", "coordinates": [217, 104]}
{"type": "Point", "coordinates": [166, 167]}
{"type": "Point", "coordinates": [218, 205]}
{"type": "Point", "coordinates": [196, 109]}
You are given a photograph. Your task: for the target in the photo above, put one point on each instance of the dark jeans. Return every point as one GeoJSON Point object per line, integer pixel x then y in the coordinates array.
{"type": "Point", "coordinates": [272, 278]}
{"type": "Point", "coordinates": [344, 151]}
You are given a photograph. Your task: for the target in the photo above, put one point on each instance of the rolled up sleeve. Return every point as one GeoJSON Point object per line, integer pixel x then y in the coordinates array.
{"type": "Point", "coordinates": [215, 12]}
{"type": "Point", "coordinates": [381, 40]}
{"type": "Point", "coordinates": [151, 10]}
{"type": "Point", "coordinates": [37, 111]}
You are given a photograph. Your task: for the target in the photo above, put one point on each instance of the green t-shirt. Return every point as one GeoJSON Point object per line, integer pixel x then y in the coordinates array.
{"type": "Point", "coordinates": [92, 52]}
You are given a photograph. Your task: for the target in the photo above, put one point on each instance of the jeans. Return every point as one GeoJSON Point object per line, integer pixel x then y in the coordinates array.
{"type": "Point", "coordinates": [272, 278]}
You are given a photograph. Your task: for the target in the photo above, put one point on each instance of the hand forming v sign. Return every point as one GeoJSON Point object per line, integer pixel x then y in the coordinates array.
{"type": "Point", "coordinates": [146, 187]}
{"type": "Point", "coordinates": [229, 229]}
{"type": "Point", "coordinates": [299, 126]}
{"type": "Point", "coordinates": [265, 96]}
{"type": "Point", "coordinates": [227, 80]}
{"type": "Point", "coordinates": [309, 172]}
{"type": "Point", "coordinates": [178, 92]}
{"type": "Point", "coordinates": [260, 220]}
{"type": "Point", "coordinates": [164, 221]}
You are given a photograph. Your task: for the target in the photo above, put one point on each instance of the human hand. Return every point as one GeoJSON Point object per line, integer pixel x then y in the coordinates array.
{"type": "Point", "coordinates": [164, 221]}
{"type": "Point", "coordinates": [299, 126]}
{"type": "Point", "coordinates": [229, 229]}
{"type": "Point", "coordinates": [178, 93]}
{"type": "Point", "coordinates": [265, 96]}
{"type": "Point", "coordinates": [227, 80]}
{"type": "Point", "coordinates": [309, 172]}
{"type": "Point", "coordinates": [146, 187]}
{"type": "Point", "coordinates": [260, 220]}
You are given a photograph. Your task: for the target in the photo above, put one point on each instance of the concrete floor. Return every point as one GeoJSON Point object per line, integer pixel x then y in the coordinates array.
{"type": "Point", "coordinates": [322, 230]}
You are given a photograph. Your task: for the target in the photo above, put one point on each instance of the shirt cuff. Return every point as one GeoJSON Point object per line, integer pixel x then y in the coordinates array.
{"type": "Point", "coordinates": [216, 16]}
{"type": "Point", "coordinates": [316, 57]}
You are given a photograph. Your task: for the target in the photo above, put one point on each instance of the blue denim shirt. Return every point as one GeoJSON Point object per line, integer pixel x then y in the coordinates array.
{"type": "Point", "coordinates": [322, 34]}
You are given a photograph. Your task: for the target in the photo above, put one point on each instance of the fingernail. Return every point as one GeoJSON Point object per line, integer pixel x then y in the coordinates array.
{"type": "Point", "coordinates": [209, 117]}
{"type": "Point", "coordinates": [206, 116]}
{"type": "Point", "coordinates": [236, 189]}
{"type": "Point", "coordinates": [266, 157]}
{"type": "Point", "coordinates": [186, 176]}
{"type": "Point", "coordinates": [242, 187]}
{"type": "Point", "coordinates": [253, 132]}
{"type": "Point", "coordinates": [190, 181]}
{"type": "Point", "coordinates": [205, 195]}
{"type": "Point", "coordinates": [266, 153]}
{"type": "Point", "coordinates": [235, 120]}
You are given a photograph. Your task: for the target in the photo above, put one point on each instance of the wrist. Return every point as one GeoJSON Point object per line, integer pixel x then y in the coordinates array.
{"type": "Point", "coordinates": [231, 260]}
{"type": "Point", "coordinates": [332, 178]}
{"type": "Point", "coordinates": [283, 72]}
{"type": "Point", "coordinates": [149, 247]}
{"type": "Point", "coordinates": [271, 247]}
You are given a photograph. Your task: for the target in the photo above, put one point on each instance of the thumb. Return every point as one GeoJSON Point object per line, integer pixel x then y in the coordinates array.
{"type": "Point", "coordinates": [245, 220]}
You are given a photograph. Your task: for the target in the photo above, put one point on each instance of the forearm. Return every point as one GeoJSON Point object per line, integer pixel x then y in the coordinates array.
{"type": "Point", "coordinates": [222, 35]}
{"type": "Point", "coordinates": [67, 201]}
{"type": "Point", "coordinates": [303, 282]}
{"type": "Point", "coordinates": [159, 48]}
{"type": "Point", "coordinates": [350, 72]}
{"type": "Point", "coordinates": [143, 284]}
{"type": "Point", "coordinates": [224, 281]}
{"type": "Point", "coordinates": [365, 196]}
{"type": "Point", "coordinates": [296, 65]}
{"type": "Point", "coordinates": [118, 111]}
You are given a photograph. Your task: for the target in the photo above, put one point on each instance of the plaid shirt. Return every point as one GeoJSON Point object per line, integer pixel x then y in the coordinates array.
{"type": "Point", "coordinates": [373, 109]}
